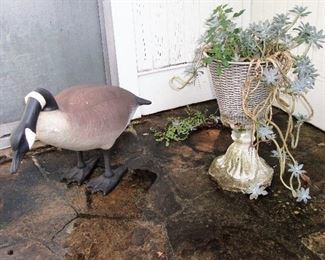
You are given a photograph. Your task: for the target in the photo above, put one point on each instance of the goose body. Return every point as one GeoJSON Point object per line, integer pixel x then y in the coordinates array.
{"type": "Point", "coordinates": [89, 117]}
{"type": "Point", "coordinates": [79, 118]}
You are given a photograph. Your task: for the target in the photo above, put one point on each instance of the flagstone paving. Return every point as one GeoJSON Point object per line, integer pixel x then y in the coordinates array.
{"type": "Point", "coordinates": [166, 206]}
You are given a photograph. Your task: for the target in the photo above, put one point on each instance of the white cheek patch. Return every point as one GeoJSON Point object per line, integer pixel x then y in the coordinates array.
{"type": "Point", "coordinates": [36, 96]}
{"type": "Point", "coordinates": [30, 137]}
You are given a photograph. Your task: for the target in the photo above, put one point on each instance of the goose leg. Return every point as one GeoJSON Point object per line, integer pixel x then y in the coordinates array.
{"type": "Point", "coordinates": [109, 179]}
{"type": "Point", "coordinates": [79, 173]}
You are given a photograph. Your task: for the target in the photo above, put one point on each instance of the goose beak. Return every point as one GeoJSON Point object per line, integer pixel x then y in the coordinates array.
{"type": "Point", "coordinates": [23, 137]}
{"type": "Point", "coordinates": [16, 160]}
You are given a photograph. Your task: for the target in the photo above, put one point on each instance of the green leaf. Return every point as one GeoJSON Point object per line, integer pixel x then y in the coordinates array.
{"type": "Point", "coordinates": [239, 13]}
{"type": "Point", "coordinates": [229, 10]}
{"type": "Point", "coordinates": [207, 60]}
{"type": "Point", "coordinates": [225, 63]}
{"type": "Point", "coordinates": [219, 69]}
{"type": "Point", "coordinates": [223, 23]}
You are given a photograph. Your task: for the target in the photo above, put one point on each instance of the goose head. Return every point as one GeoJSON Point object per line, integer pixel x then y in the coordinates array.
{"type": "Point", "coordinates": [23, 137]}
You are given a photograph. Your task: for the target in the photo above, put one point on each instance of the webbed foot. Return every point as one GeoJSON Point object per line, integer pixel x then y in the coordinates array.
{"type": "Point", "coordinates": [106, 184]}
{"type": "Point", "coordinates": [77, 174]}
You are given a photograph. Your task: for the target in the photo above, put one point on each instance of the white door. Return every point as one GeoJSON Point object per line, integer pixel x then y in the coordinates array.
{"type": "Point", "coordinates": [154, 41]}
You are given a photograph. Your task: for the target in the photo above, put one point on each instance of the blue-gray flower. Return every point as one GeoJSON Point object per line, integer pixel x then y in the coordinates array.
{"type": "Point", "coordinates": [265, 132]}
{"type": "Point", "coordinates": [298, 86]}
{"type": "Point", "coordinates": [309, 34]}
{"type": "Point", "coordinates": [271, 76]}
{"type": "Point", "coordinates": [255, 191]}
{"type": "Point", "coordinates": [306, 70]}
{"type": "Point", "coordinates": [262, 30]}
{"type": "Point", "coordinates": [275, 154]}
{"type": "Point", "coordinates": [300, 10]}
{"type": "Point", "coordinates": [300, 119]}
{"type": "Point", "coordinates": [296, 169]}
{"type": "Point", "coordinates": [303, 195]}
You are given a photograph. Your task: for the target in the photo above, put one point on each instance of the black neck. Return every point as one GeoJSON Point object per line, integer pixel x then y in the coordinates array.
{"type": "Point", "coordinates": [31, 114]}
{"type": "Point", "coordinates": [49, 98]}
{"type": "Point", "coordinates": [28, 120]}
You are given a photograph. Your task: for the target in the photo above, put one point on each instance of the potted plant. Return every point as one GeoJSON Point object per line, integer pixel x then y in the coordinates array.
{"type": "Point", "coordinates": [252, 69]}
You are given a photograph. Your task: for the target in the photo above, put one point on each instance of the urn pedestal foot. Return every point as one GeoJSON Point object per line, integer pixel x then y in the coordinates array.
{"type": "Point", "coordinates": [241, 167]}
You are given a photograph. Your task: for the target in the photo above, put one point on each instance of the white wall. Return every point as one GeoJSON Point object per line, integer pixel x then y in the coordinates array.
{"type": "Point", "coordinates": [265, 9]}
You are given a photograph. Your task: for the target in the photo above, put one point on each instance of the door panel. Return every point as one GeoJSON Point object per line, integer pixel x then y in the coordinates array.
{"type": "Point", "coordinates": [155, 87]}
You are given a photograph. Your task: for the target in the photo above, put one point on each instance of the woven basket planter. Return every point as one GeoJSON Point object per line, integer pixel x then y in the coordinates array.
{"type": "Point", "coordinates": [229, 91]}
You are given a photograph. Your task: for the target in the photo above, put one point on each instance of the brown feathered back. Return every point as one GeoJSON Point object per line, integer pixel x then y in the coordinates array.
{"type": "Point", "coordinates": [84, 97]}
{"type": "Point", "coordinates": [95, 116]}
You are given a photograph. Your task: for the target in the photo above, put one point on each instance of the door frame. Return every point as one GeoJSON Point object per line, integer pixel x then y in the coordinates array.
{"type": "Point", "coordinates": [122, 60]}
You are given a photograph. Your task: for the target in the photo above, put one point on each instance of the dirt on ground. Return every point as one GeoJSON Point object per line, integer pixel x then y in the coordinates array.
{"type": "Point", "coordinates": [166, 206]}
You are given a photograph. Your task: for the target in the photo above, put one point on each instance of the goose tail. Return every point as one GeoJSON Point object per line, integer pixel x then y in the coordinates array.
{"type": "Point", "coordinates": [142, 101]}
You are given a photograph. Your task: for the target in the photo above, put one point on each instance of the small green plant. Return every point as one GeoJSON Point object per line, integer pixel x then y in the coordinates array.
{"type": "Point", "coordinates": [179, 129]}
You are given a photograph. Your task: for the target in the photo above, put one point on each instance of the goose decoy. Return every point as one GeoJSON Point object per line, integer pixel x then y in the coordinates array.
{"type": "Point", "coordinates": [79, 118]}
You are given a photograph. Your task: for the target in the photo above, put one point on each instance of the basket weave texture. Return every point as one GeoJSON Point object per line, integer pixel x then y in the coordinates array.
{"type": "Point", "coordinates": [229, 92]}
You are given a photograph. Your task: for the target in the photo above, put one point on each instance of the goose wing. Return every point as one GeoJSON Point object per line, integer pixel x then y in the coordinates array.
{"type": "Point", "coordinates": [84, 98]}
{"type": "Point", "coordinates": [101, 111]}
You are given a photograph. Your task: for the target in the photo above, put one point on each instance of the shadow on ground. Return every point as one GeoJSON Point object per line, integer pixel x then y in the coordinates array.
{"type": "Point", "coordinates": [166, 207]}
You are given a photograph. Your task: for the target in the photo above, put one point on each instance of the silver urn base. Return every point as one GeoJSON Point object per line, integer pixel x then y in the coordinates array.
{"type": "Point", "coordinates": [241, 167]}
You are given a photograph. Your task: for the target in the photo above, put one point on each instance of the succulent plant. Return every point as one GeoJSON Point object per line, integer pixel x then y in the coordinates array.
{"type": "Point", "coordinates": [270, 44]}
